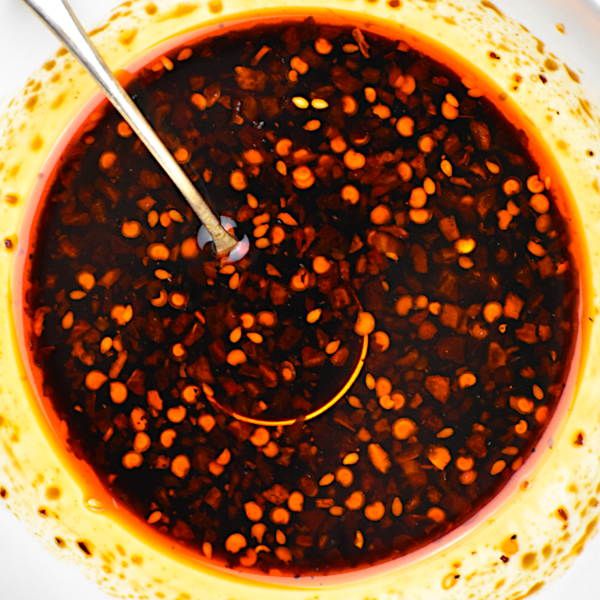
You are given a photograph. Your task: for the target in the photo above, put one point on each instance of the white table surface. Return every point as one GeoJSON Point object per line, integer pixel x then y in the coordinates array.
{"type": "Point", "coordinates": [27, 571]}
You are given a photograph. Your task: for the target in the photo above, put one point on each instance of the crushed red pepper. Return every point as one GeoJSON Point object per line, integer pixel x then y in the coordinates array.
{"type": "Point", "coordinates": [382, 200]}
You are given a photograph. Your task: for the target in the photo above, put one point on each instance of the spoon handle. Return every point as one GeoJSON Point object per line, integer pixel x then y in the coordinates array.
{"type": "Point", "coordinates": [60, 18]}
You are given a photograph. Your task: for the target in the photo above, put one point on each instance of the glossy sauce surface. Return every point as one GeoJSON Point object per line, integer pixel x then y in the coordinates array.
{"type": "Point", "coordinates": [384, 201]}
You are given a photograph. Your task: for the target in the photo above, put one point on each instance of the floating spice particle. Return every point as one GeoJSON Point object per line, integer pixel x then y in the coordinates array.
{"type": "Point", "coordinates": [349, 105]}
{"type": "Point", "coordinates": [467, 380]}
{"type": "Point", "coordinates": [375, 511]}
{"type": "Point", "coordinates": [439, 457]}
{"type": "Point", "coordinates": [253, 511]}
{"type": "Point", "coordinates": [464, 463]}
{"type": "Point", "coordinates": [107, 160]}
{"type": "Point", "coordinates": [86, 280]}
{"type": "Point", "coordinates": [365, 323]}
{"type": "Point", "coordinates": [118, 392]}
{"type": "Point", "coordinates": [403, 305]}
{"type": "Point", "coordinates": [158, 251]}
{"type": "Point", "coordinates": [180, 466]}
{"type": "Point", "coordinates": [446, 167]}
{"type": "Point", "coordinates": [382, 111]}
{"type": "Point", "coordinates": [498, 467]}
{"type": "Point", "coordinates": [260, 437]}
{"type": "Point", "coordinates": [314, 315]}
{"type": "Point", "coordinates": [237, 180]}
{"type": "Point", "coordinates": [536, 249]}
{"type": "Point", "coordinates": [321, 265]}
{"type": "Point", "coordinates": [176, 414]}
{"type": "Point", "coordinates": [513, 305]}
{"type": "Point", "coordinates": [404, 428]}
{"type": "Point", "coordinates": [132, 460]}
{"type": "Point", "coordinates": [296, 501]}
{"type": "Point", "coordinates": [379, 458]}
{"type": "Point", "coordinates": [299, 65]}
{"type": "Point", "coordinates": [465, 245]}
{"type": "Point", "coordinates": [381, 341]}
{"type": "Point", "coordinates": [359, 540]}
{"type": "Point", "coordinates": [303, 177]}
{"type": "Point", "coordinates": [426, 144]}
{"type": "Point", "coordinates": [327, 479]}
{"type": "Point", "coordinates": [300, 102]}
{"type": "Point", "coordinates": [420, 216]}
{"type": "Point", "coordinates": [397, 507]}
{"type": "Point", "coordinates": [319, 104]}
{"type": "Point", "coordinates": [435, 513]}
{"type": "Point", "coordinates": [206, 422]}
{"type": "Point", "coordinates": [449, 111]}
{"type": "Point", "coordinates": [141, 442]}
{"type": "Point", "coordinates": [332, 347]}
{"type": "Point", "coordinates": [123, 130]}
{"type": "Point", "coordinates": [94, 380]}
{"type": "Point", "coordinates": [236, 357]}
{"type": "Point", "coordinates": [351, 459]}
{"type": "Point", "coordinates": [167, 438]}
{"type": "Point", "coordinates": [344, 477]}
{"type": "Point", "coordinates": [381, 215]}
{"type": "Point", "coordinates": [338, 144]}
{"type": "Point", "coordinates": [418, 198]}
{"type": "Point", "coordinates": [405, 126]}
{"type": "Point", "coordinates": [323, 46]}
{"type": "Point", "coordinates": [354, 160]}
{"type": "Point", "coordinates": [182, 155]}
{"type": "Point", "coordinates": [535, 185]}
{"type": "Point", "coordinates": [492, 311]}
{"type": "Point", "coordinates": [540, 203]}
{"type": "Point", "coordinates": [67, 320]}
{"type": "Point", "coordinates": [235, 543]}
{"type": "Point", "coordinates": [350, 194]}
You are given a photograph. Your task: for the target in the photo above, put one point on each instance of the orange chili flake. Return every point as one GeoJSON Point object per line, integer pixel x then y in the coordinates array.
{"type": "Point", "coordinates": [132, 460]}
{"type": "Point", "coordinates": [498, 467]}
{"type": "Point", "coordinates": [439, 457]}
{"type": "Point", "coordinates": [381, 215]}
{"type": "Point", "coordinates": [375, 511]}
{"type": "Point", "coordinates": [235, 543]}
{"type": "Point", "coordinates": [404, 428]}
{"type": "Point", "coordinates": [94, 380]}
{"type": "Point", "coordinates": [350, 194]}
{"type": "Point", "coordinates": [323, 46]}
{"type": "Point", "coordinates": [405, 126]}
{"type": "Point", "coordinates": [118, 392]}
{"type": "Point", "coordinates": [321, 265]}
{"type": "Point", "coordinates": [466, 380]}
{"type": "Point", "coordinates": [123, 130]}
{"type": "Point", "coordinates": [107, 160]}
{"type": "Point", "coordinates": [237, 180]}
{"type": "Point", "coordinates": [365, 323]}
{"type": "Point", "coordinates": [180, 466]}
{"type": "Point", "coordinates": [158, 251]}
{"type": "Point", "coordinates": [253, 511]}
{"type": "Point", "coordinates": [354, 160]}
{"type": "Point", "coordinates": [280, 516]}
{"type": "Point", "coordinates": [303, 177]}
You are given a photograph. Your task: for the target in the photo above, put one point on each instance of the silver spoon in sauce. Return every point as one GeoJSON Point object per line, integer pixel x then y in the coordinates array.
{"type": "Point", "coordinates": [59, 17]}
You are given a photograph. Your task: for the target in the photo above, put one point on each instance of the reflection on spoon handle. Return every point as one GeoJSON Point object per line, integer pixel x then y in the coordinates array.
{"type": "Point", "coordinates": [59, 17]}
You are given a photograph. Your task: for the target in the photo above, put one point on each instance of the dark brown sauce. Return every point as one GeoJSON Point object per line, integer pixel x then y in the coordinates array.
{"type": "Point", "coordinates": [383, 201]}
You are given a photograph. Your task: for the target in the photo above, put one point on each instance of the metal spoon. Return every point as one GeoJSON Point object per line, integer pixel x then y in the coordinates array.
{"type": "Point", "coordinates": [59, 17]}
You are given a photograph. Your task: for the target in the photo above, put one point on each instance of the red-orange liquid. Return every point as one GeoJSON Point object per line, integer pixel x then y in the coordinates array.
{"type": "Point", "coordinates": [472, 289]}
